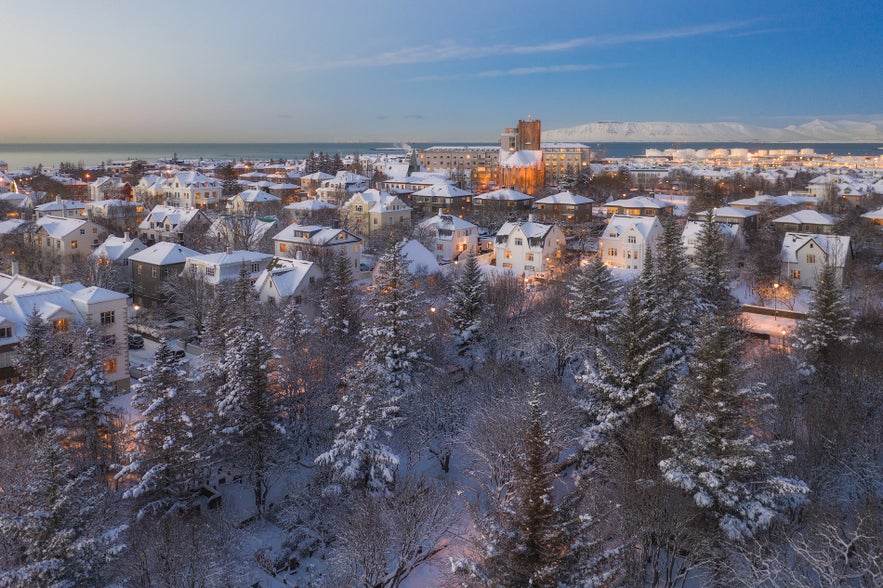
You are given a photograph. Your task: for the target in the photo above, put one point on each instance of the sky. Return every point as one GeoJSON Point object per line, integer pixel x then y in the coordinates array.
{"type": "Point", "coordinates": [418, 70]}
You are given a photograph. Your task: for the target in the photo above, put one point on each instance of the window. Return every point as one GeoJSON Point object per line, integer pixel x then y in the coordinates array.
{"type": "Point", "coordinates": [210, 271]}
{"type": "Point", "coordinates": [82, 231]}
{"type": "Point", "coordinates": [95, 229]}
{"type": "Point", "coordinates": [73, 244]}
{"type": "Point", "coordinates": [138, 270]}
{"type": "Point", "coordinates": [107, 317]}
{"type": "Point", "coordinates": [795, 274]}
{"type": "Point", "coordinates": [810, 258]}
{"type": "Point", "coordinates": [632, 239]}
{"type": "Point", "coordinates": [5, 332]}
{"type": "Point", "coordinates": [518, 242]}
{"type": "Point", "coordinates": [312, 279]}
{"type": "Point", "coordinates": [271, 300]}
{"type": "Point", "coordinates": [298, 299]}
{"type": "Point", "coordinates": [283, 247]}
{"type": "Point", "coordinates": [507, 254]}
{"type": "Point", "coordinates": [255, 267]}
{"type": "Point", "coordinates": [154, 272]}
{"type": "Point", "coordinates": [110, 365]}
{"type": "Point", "coordinates": [529, 256]}
{"type": "Point", "coordinates": [611, 251]}
{"type": "Point", "coordinates": [507, 265]}
{"type": "Point", "coordinates": [62, 325]}
{"type": "Point", "coordinates": [108, 340]}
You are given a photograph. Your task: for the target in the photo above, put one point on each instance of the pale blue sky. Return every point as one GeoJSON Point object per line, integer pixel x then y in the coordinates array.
{"type": "Point", "coordinates": [333, 70]}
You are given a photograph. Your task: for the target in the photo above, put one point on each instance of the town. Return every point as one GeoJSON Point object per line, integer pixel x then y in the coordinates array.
{"type": "Point", "coordinates": [522, 363]}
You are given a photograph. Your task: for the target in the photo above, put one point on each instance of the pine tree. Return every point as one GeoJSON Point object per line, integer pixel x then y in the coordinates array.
{"type": "Point", "coordinates": [242, 303]}
{"type": "Point", "coordinates": [394, 341]}
{"type": "Point", "coordinates": [711, 263]}
{"type": "Point", "coordinates": [367, 413]}
{"type": "Point", "coordinates": [467, 301]}
{"type": "Point", "coordinates": [825, 331]}
{"type": "Point", "coordinates": [249, 423]}
{"type": "Point", "coordinates": [630, 371]}
{"type": "Point", "coordinates": [169, 440]}
{"type": "Point", "coordinates": [34, 404]}
{"type": "Point", "coordinates": [717, 455]}
{"type": "Point", "coordinates": [675, 290]}
{"type": "Point", "coordinates": [54, 525]}
{"type": "Point", "coordinates": [593, 295]}
{"type": "Point", "coordinates": [87, 395]}
{"type": "Point", "coordinates": [338, 312]}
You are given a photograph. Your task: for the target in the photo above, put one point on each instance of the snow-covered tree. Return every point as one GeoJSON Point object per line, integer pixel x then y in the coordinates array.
{"type": "Point", "coordinates": [86, 396]}
{"type": "Point", "coordinates": [593, 294]}
{"type": "Point", "coordinates": [676, 298]}
{"type": "Point", "coordinates": [718, 452]}
{"type": "Point", "coordinates": [394, 341]}
{"type": "Point", "coordinates": [711, 267]}
{"type": "Point", "coordinates": [630, 370]}
{"type": "Point", "coordinates": [367, 412]}
{"type": "Point", "coordinates": [532, 528]}
{"type": "Point", "coordinates": [826, 330]}
{"type": "Point", "coordinates": [53, 524]}
{"type": "Point", "coordinates": [249, 423]}
{"type": "Point", "coordinates": [466, 301]}
{"type": "Point", "coordinates": [34, 404]}
{"type": "Point", "coordinates": [167, 450]}
{"type": "Point", "coordinates": [338, 311]}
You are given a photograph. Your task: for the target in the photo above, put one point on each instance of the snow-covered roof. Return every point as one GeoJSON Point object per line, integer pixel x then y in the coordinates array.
{"type": "Point", "coordinates": [95, 294]}
{"type": "Point", "coordinates": [177, 217]}
{"type": "Point", "coordinates": [728, 212]}
{"type": "Point", "coordinates": [836, 247]}
{"type": "Point", "coordinates": [57, 205]}
{"type": "Point", "coordinates": [59, 227]}
{"type": "Point", "coordinates": [286, 274]}
{"type": "Point", "coordinates": [189, 178]}
{"type": "Point", "coordinates": [503, 194]}
{"type": "Point", "coordinates": [565, 198]}
{"type": "Point", "coordinates": [117, 248]}
{"type": "Point", "coordinates": [13, 226]}
{"type": "Point", "coordinates": [420, 259]}
{"type": "Point", "coordinates": [806, 217]}
{"type": "Point", "coordinates": [442, 190]}
{"type": "Point", "coordinates": [310, 204]}
{"type": "Point", "coordinates": [531, 230]}
{"type": "Point", "coordinates": [620, 223]}
{"type": "Point", "coordinates": [874, 214]}
{"type": "Point", "coordinates": [523, 158]}
{"type": "Point", "coordinates": [257, 197]}
{"type": "Point", "coordinates": [380, 201]}
{"type": "Point", "coordinates": [693, 228]}
{"type": "Point", "coordinates": [237, 257]}
{"type": "Point", "coordinates": [317, 176]}
{"type": "Point", "coordinates": [313, 234]}
{"type": "Point", "coordinates": [164, 254]}
{"type": "Point", "coordinates": [639, 202]}
{"type": "Point", "coordinates": [447, 221]}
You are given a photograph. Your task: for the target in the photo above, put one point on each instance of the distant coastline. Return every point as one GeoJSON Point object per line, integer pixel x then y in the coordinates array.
{"type": "Point", "coordinates": [19, 155]}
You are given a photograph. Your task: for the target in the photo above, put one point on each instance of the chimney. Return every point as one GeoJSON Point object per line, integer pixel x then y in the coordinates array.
{"type": "Point", "coordinates": [14, 268]}
{"type": "Point", "coordinates": [56, 281]}
{"type": "Point", "coordinates": [127, 237]}
{"type": "Point", "coordinates": [531, 218]}
{"type": "Point", "coordinates": [58, 199]}
{"type": "Point", "coordinates": [299, 254]}
{"type": "Point", "coordinates": [756, 193]}
{"type": "Point", "coordinates": [228, 249]}
{"type": "Point", "coordinates": [335, 224]}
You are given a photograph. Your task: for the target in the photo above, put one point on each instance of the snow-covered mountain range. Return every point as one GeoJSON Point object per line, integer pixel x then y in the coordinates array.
{"type": "Point", "coordinates": [816, 131]}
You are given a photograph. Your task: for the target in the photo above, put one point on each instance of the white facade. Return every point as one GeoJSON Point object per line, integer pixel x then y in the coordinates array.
{"type": "Point", "coordinates": [285, 278]}
{"type": "Point", "coordinates": [193, 190]}
{"type": "Point", "coordinates": [215, 268]}
{"type": "Point", "coordinates": [453, 238]}
{"type": "Point", "coordinates": [313, 242]}
{"type": "Point", "coordinates": [527, 248]}
{"type": "Point", "coordinates": [627, 240]}
{"type": "Point", "coordinates": [804, 255]}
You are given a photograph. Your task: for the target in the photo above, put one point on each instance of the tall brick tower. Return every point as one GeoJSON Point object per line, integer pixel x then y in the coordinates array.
{"type": "Point", "coordinates": [528, 135]}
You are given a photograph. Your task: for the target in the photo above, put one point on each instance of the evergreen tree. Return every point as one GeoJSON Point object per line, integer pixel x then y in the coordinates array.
{"type": "Point", "coordinates": [711, 267]}
{"type": "Point", "coordinates": [467, 300]}
{"type": "Point", "coordinates": [249, 422]}
{"type": "Point", "coordinates": [367, 413]}
{"type": "Point", "coordinates": [717, 454]}
{"type": "Point", "coordinates": [630, 370]}
{"type": "Point", "coordinates": [825, 331]}
{"type": "Point", "coordinates": [87, 395]}
{"type": "Point", "coordinates": [53, 525]}
{"type": "Point", "coordinates": [242, 303]}
{"type": "Point", "coordinates": [34, 404]}
{"type": "Point", "coordinates": [169, 440]}
{"type": "Point", "coordinates": [394, 342]}
{"type": "Point", "coordinates": [674, 286]}
{"type": "Point", "coordinates": [592, 294]}
{"type": "Point", "coordinates": [338, 312]}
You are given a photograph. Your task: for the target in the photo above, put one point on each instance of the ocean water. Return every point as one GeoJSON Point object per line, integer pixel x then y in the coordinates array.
{"type": "Point", "coordinates": [19, 155]}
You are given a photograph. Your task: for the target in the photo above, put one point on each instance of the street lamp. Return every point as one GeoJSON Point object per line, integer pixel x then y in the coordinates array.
{"type": "Point", "coordinates": [776, 298]}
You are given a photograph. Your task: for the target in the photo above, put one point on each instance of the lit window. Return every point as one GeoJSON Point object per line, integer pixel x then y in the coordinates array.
{"type": "Point", "coordinates": [73, 244]}
{"type": "Point", "coordinates": [611, 252]}
{"type": "Point", "coordinates": [283, 248]}
{"type": "Point", "coordinates": [62, 325]}
{"type": "Point", "coordinates": [811, 258]}
{"type": "Point", "coordinates": [110, 365]}
{"type": "Point", "coordinates": [795, 274]}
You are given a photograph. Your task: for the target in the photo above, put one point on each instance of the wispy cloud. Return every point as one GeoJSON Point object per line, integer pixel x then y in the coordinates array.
{"type": "Point", "coordinates": [517, 71]}
{"type": "Point", "coordinates": [453, 51]}
{"type": "Point", "coordinates": [414, 116]}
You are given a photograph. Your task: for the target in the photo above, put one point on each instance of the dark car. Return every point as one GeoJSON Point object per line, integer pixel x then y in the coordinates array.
{"type": "Point", "coordinates": [179, 353]}
{"type": "Point", "coordinates": [136, 342]}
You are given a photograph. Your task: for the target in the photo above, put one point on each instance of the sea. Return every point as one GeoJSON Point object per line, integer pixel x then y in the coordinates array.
{"type": "Point", "coordinates": [20, 155]}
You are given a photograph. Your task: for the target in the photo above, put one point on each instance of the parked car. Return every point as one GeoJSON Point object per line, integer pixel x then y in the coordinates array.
{"type": "Point", "coordinates": [136, 342]}
{"type": "Point", "coordinates": [179, 353]}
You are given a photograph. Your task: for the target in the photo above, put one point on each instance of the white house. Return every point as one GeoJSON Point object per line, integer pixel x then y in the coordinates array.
{"type": "Point", "coordinates": [172, 225]}
{"type": "Point", "coordinates": [314, 242]}
{"type": "Point", "coordinates": [627, 240]}
{"type": "Point", "coordinates": [191, 189]}
{"type": "Point", "coordinates": [341, 187]}
{"type": "Point", "coordinates": [804, 255]}
{"type": "Point", "coordinates": [117, 250]}
{"type": "Point", "coordinates": [284, 278]}
{"type": "Point", "coordinates": [527, 248]}
{"type": "Point", "coordinates": [109, 188]}
{"type": "Point", "coordinates": [60, 307]}
{"type": "Point", "coordinates": [253, 201]}
{"type": "Point", "coordinates": [452, 237]}
{"type": "Point", "coordinates": [65, 238]}
{"type": "Point", "coordinates": [62, 208]}
{"type": "Point", "coordinates": [216, 268]}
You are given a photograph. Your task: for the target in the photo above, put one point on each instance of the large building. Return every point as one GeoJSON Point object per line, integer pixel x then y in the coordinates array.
{"type": "Point", "coordinates": [478, 166]}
